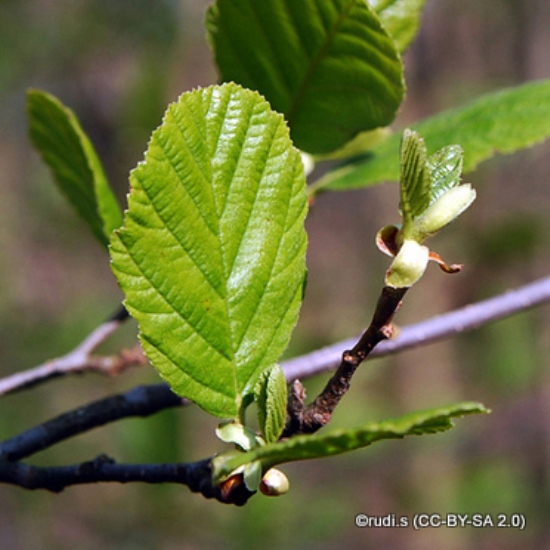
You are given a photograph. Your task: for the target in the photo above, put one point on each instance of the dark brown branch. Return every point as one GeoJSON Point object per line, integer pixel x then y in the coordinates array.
{"type": "Point", "coordinates": [197, 476]}
{"type": "Point", "coordinates": [146, 400]}
{"type": "Point", "coordinates": [319, 413]}
{"type": "Point", "coordinates": [141, 401]}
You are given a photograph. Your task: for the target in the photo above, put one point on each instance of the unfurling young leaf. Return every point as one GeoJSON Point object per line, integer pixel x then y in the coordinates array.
{"type": "Point", "coordinates": [431, 198]}
{"type": "Point", "coordinates": [211, 257]}
{"type": "Point", "coordinates": [415, 180]}
{"type": "Point", "coordinates": [236, 433]}
{"type": "Point", "coordinates": [445, 167]}
{"type": "Point", "coordinates": [431, 194]}
{"type": "Point", "coordinates": [271, 398]}
{"type": "Point", "coordinates": [75, 166]}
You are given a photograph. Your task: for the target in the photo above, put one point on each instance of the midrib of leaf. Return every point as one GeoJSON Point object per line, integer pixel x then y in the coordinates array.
{"type": "Point", "coordinates": [220, 290]}
{"type": "Point", "coordinates": [283, 73]}
{"type": "Point", "coordinates": [211, 223]}
{"type": "Point", "coordinates": [230, 262]}
{"type": "Point", "coordinates": [298, 95]}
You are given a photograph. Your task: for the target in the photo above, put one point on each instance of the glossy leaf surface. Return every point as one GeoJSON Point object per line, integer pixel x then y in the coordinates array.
{"type": "Point", "coordinates": [212, 253]}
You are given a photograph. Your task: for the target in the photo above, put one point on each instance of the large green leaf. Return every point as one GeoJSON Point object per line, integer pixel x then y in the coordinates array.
{"type": "Point", "coordinates": [501, 122]}
{"type": "Point", "coordinates": [401, 18]}
{"type": "Point", "coordinates": [212, 253]}
{"type": "Point", "coordinates": [328, 65]}
{"type": "Point", "coordinates": [58, 136]}
{"type": "Point", "coordinates": [304, 447]}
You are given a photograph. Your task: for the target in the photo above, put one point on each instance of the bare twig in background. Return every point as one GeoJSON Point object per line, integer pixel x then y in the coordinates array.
{"type": "Point", "coordinates": [140, 401]}
{"type": "Point", "coordinates": [197, 476]}
{"type": "Point", "coordinates": [79, 360]}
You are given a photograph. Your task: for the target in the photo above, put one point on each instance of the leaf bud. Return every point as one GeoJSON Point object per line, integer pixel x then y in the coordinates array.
{"type": "Point", "coordinates": [274, 483]}
{"type": "Point", "coordinates": [408, 266]}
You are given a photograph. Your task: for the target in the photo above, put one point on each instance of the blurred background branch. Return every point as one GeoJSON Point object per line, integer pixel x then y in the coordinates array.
{"type": "Point", "coordinates": [79, 360]}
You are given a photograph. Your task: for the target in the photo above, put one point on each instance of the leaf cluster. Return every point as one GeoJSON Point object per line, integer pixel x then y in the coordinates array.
{"type": "Point", "coordinates": [211, 250]}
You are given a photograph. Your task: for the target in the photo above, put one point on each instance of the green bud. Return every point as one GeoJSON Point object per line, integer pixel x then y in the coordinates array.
{"type": "Point", "coordinates": [408, 266]}
{"type": "Point", "coordinates": [443, 211]}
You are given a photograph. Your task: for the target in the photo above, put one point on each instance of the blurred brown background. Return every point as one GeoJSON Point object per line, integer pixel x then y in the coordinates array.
{"type": "Point", "coordinates": [118, 64]}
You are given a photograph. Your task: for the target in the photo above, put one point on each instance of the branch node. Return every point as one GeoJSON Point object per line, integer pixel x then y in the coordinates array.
{"type": "Point", "coordinates": [319, 413]}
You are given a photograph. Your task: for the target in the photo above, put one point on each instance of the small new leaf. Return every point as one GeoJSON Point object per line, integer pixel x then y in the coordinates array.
{"type": "Point", "coordinates": [252, 475]}
{"type": "Point", "coordinates": [431, 198]}
{"type": "Point", "coordinates": [443, 211]}
{"type": "Point", "coordinates": [416, 179]}
{"type": "Point", "coordinates": [270, 395]}
{"type": "Point", "coordinates": [76, 168]}
{"type": "Point", "coordinates": [445, 167]}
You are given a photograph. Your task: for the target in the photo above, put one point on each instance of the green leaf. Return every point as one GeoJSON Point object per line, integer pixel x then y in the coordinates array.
{"type": "Point", "coordinates": [57, 135]}
{"type": "Point", "coordinates": [401, 18]}
{"type": "Point", "coordinates": [304, 447]}
{"type": "Point", "coordinates": [328, 65]}
{"type": "Point", "coordinates": [415, 180]}
{"type": "Point", "coordinates": [501, 122]}
{"type": "Point", "coordinates": [271, 397]}
{"type": "Point", "coordinates": [212, 253]}
{"type": "Point", "coordinates": [445, 167]}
